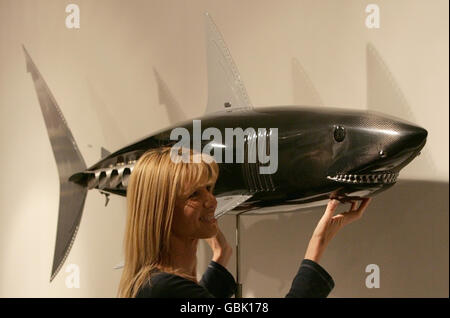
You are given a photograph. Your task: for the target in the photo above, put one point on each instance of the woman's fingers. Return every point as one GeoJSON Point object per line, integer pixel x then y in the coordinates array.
{"type": "Point", "coordinates": [355, 214]}
{"type": "Point", "coordinates": [331, 207]}
{"type": "Point", "coordinates": [218, 241]}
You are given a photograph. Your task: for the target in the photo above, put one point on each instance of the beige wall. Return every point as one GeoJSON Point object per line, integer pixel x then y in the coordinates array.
{"type": "Point", "coordinates": [102, 77]}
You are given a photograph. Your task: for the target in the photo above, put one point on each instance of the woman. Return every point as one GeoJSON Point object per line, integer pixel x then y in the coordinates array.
{"type": "Point", "coordinates": [171, 207]}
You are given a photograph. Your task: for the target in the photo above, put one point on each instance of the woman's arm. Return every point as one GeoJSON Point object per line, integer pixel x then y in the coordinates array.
{"type": "Point", "coordinates": [312, 280]}
{"type": "Point", "coordinates": [330, 224]}
{"type": "Point", "coordinates": [217, 279]}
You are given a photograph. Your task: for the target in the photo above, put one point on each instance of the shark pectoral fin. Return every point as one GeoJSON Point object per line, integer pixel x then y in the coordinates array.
{"type": "Point", "coordinates": [226, 203]}
{"type": "Point", "coordinates": [226, 91]}
{"type": "Point", "coordinates": [68, 161]}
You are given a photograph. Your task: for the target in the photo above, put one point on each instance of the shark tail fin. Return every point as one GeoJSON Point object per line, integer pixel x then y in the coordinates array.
{"type": "Point", "coordinates": [68, 160]}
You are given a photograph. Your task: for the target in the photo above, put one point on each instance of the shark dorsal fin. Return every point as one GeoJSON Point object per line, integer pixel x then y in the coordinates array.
{"type": "Point", "coordinates": [226, 90]}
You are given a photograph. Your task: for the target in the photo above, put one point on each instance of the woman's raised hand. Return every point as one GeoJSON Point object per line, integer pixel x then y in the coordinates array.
{"type": "Point", "coordinates": [330, 224]}
{"type": "Point", "coordinates": [222, 251]}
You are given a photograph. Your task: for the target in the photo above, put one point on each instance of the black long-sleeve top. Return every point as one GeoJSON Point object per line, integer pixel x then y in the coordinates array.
{"type": "Point", "coordinates": [311, 281]}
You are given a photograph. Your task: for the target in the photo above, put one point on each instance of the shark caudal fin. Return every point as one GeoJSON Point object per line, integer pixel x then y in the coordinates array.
{"type": "Point", "coordinates": [69, 161]}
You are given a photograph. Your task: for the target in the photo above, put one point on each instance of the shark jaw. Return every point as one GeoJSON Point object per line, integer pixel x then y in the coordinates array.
{"type": "Point", "coordinates": [385, 177]}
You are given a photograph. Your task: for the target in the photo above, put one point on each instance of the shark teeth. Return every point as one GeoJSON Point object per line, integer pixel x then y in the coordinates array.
{"type": "Point", "coordinates": [375, 178]}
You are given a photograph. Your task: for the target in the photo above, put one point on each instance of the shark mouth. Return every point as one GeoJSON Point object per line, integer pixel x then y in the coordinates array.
{"type": "Point", "coordinates": [374, 178]}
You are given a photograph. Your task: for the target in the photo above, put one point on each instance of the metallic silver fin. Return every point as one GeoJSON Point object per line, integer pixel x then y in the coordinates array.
{"type": "Point", "coordinates": [226, 203]}
{"type": "Point", "coordinates": [225, 87]}
{"type": "Point", "coordinates": [68, 160]}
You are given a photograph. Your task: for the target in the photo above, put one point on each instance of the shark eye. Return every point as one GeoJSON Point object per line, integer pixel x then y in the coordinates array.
{"type": "Point", "coordinates": [339, 133]}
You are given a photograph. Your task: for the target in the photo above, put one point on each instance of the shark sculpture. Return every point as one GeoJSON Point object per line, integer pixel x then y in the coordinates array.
{"type": "Point", "coordinates": [322, 152]}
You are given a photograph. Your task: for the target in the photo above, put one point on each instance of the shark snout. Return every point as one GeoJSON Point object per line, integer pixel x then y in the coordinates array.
{"type": "Point", "coordinates": [412, 137]}
{"type": "Point", "coordinates": [401, 150]}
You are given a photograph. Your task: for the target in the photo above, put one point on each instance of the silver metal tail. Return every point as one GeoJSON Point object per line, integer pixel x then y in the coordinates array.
{"type": "Point", "coordinates": [69, 161]}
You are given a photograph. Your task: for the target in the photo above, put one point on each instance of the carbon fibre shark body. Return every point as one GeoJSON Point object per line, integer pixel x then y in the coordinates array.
{"type": "Point", "coordinates": [313, 163]}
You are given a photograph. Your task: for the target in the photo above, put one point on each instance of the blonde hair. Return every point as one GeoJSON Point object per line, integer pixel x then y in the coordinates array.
{"type": "Point", "coordinates": [155, 184]}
